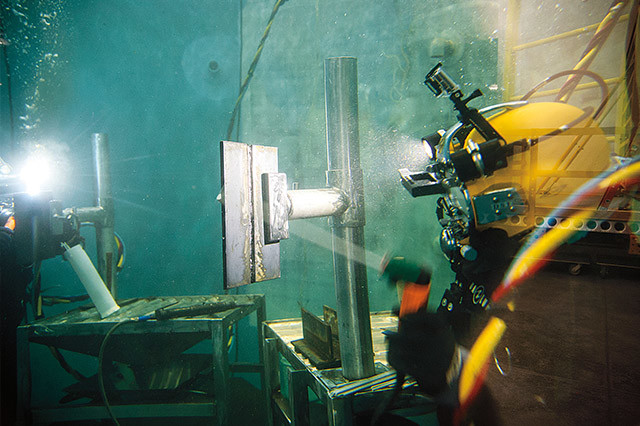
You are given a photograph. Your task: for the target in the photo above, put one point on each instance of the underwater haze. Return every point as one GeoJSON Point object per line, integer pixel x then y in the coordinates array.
{"type": "Point", "coordinates": [161, 78]}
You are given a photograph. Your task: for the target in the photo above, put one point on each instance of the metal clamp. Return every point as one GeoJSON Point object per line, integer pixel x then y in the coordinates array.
{"type": "Point", "coordinates": [474, 150]}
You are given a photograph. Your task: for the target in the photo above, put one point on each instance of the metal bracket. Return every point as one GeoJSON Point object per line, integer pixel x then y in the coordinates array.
{"type": "Point", "coordinates": [257, 208]}
{"type": "Point", "coordinates": [499, 204]}
{"type": "Point", "coordinates": [319, 344]}
{"type": "Point", "coordinates": [248, 256]}
{"type": "Point", "coordinates": [421, 183]}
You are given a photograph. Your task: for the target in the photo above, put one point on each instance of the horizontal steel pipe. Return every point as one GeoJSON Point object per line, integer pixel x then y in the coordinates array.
{"type": "Point", "coordinates": [306, 203]}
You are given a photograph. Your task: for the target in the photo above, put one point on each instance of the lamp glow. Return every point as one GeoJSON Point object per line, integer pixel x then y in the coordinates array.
{"type": "Point", "coordinates": [34, 174]}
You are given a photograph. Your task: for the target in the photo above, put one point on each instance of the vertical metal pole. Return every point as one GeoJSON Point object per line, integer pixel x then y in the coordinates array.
{"type": "Point", "coordinates": [261, 317]}
{"type": "Point", "coordinates": [105, 239]}
{"type": "Point", "coordinates": [298, 397]}
{"type": "Point", "coordinates": [271, 379]}
{"type": "Point", "coordinates": [220, 367]}
{"type": "Point", "coordinates": [23, 370]}
{"type": "Point", "coordinates": [344, 173]}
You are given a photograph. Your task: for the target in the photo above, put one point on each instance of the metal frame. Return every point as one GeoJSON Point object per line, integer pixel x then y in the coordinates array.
{"type": "Point", "coordinates": [615, 222]}
{"type": "Point", "coordinates": [511, 47]}
{"type": "Point", "coordinates": [252, 189]}
{"type": "Point", "coordinates": [293, 409]}
{"type": "Point", "coordinates": [82, 330]}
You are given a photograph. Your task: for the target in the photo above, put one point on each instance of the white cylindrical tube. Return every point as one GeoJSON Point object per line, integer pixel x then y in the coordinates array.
{"type": "Point", "coordinates": [91, 280]}
{"type": "Point", "coordinates": [306, 203]}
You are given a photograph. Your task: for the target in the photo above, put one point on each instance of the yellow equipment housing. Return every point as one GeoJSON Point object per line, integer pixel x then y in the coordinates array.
{"type": "Point", "coordinates": [566, 150]}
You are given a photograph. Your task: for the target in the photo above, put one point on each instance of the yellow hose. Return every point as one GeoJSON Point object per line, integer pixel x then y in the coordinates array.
{"type": "Point", "coordinates": [478, 357]}
{"type": "Point", "coordinates": [587, 59]}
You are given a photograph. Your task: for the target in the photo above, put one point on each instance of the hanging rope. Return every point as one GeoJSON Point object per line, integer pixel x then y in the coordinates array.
{"type": "Point", "coordinates": [630, 73]}
{"type": "Point", "coordinates": [595, 44]}
{"type": "Point", "coordinates": [252, 68]}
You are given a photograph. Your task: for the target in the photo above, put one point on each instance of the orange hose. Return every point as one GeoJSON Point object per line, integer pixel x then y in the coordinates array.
{"type": "Point", "coordinates": [11, 223]}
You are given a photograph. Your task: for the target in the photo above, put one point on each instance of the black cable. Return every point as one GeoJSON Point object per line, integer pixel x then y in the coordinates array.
{"type": "Point", "coordinates": [252, 68]}
{"type": "Point", "coordinates": [36, 303]}
{"type": "Point", "coordinates": [100, 362]}
{"type": "Point", "coordinates": [604, 90]}
{"type": "Point", "coordinates": [240, 55]}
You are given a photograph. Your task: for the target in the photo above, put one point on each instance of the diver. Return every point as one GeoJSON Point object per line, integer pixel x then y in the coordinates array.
{"type": "Point", "coordinates": [482, 168]}
{"type": "Point", "coordinates": [432, 347]}
{"type": "Point", "coordinates": [14, 280]}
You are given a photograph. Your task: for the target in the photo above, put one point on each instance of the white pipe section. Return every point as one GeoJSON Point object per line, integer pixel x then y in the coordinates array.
{"type": "Point", "coordinates": [91, 280]}
{"type": "Point", "coordinates": [306, 203]}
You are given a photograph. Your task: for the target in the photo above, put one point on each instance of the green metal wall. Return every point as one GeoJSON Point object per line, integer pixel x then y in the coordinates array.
{"type": "Point", "coordinates": [140, 71]}
{"type": "Point", "coordinates": [395, 43]}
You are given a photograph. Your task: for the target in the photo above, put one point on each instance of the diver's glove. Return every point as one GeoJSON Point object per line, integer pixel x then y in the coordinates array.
{"type": "Point", "coordinates": [424, 347]}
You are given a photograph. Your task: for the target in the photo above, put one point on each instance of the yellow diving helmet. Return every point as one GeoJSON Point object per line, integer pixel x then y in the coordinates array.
{"type": "Point", "coordinates": [553, 147]}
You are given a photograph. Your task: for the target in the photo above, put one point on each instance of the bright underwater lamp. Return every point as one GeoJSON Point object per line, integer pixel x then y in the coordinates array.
{"type": "Point", "coordinates": [34, 174]}
{"type": "Point", "coordinates": [430, 144]}
{"type": "Point", "coordinates": [40, 168]}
